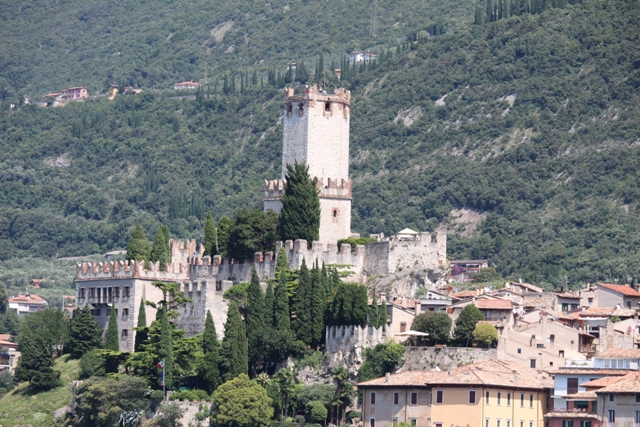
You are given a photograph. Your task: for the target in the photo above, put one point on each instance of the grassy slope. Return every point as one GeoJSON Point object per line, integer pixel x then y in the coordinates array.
{"type": "Point", "coordinates": [19, 408]}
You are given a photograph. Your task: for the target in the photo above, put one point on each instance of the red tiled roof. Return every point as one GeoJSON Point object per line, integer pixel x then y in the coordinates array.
{"type": "Point", "coordinates": [630, 383]}
{"type": "Point", "coordinates": [408, 378]}
{"type": "Point", "coordinates": [587, 371]}
{"type": "Point", "coordinates": [601, 382]}
{"type": "Point", "coordinates": [5, 337]}
{"type": "Point", "coordinates": [464, 294]}
{"type": "Point", "coordinates": [32, 299]}
{"type": "Point", "coordinates": [621, 289]}
{"type": "Point", "coordinates": [620, 352]}
{"type": "Point", "coordinates": [597, 311]}
{"type": "Point", "coordinates": [498, 304]}
{"type": "Point", "coordinates": [583, 395]}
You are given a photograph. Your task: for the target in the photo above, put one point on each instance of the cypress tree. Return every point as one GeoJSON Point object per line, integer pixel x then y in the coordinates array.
{"type": "Point", "coordinates": [138, 247]}
{"type": "Point", "coordinates": [478, 15]}
{"type": "Point", "coordinates": [288, 78]}
{"type": "Point", "coordinates": [165, 348]}
{"type": "Point", "coordinates": [302, 75]}
{"type": "Point", "coordinates": [269, 303]}
{"type": "Point", "coordinates": [84, 335]}
{"type": "Point", "coordinates": [320, 74]}
{"type": "Point", "coordinates": [113, 342]}
{"type": "Point", "coordinates": [318, 307]}
{"type": "Point", "coordinates": [382, 319]}
{"type": "Point", "coordinates": [304, 301]}
{"type": "Point", "coordinates": [255, 321]}
{"type": "Point", "coordinates": [254, 78]}
{"type": "Point", "coordinates": [241, 85]}
{"type": "Point", "coordinates": [300, 215]}
{"type": "Point", "coordinates": [224, 229]}
{"type": "Point", "coordinates": [373, 315]}
{"type": "Point", "coordinates": [326, 282]}
{"type": "Point", "coordinates": [281, 313]}
{"type": "Point", "coordinates": [234, 359]}
{"type": "Point", "coordinates": [210, 237]}
{"type": "Point", "coordinates": [211, 349]}
{"type": "Point", "coordinates": [225, 85]}
{"type": "Point", "coordinates": [142, 331]}
{"type": "Point", "coordinates": [282, 264]}
{"type": "Point", "coordinates": [4, 298]}
{"type": "Point", "coordinates": [360, 305]}
{"type": "Point", "coordinates": [36, 363]}
{"type": "Point", "coordinates": [160, 248]}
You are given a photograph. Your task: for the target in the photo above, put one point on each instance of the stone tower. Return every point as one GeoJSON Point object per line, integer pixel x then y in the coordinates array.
{"type": "Point", "coordinates": [316, 131]}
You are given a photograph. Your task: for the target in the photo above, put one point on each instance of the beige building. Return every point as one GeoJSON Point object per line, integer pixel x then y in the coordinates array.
{"type": "Point", "coordinates": [494, 393]}
{"type": "Point", "coordinates": [620, 296]}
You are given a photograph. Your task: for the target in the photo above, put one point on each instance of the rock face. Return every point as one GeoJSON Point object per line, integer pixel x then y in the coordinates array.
{"type": "Point", "coordinates": [405, 282]}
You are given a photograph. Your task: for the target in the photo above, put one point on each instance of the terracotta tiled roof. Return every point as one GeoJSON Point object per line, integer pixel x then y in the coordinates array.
{"type": "Point", "coordinates": [569, 414]}
{"type": "Point", "coordinates": [31, 299]}
{"type": "Point", "coordinates": [584, 395]}
{"type": "Point", "coordinates": [586, 371]}
{"type": "Point", "coordinates": [5, 337]}
{"type": "Point", "coordinates": [408, 378]}
{"type": "Point", "coordinates": [624, 312]}
{"type": "Point", "coordinates": [533, 302]}
{"type": "Point", "coordinates": [529, 286]}
{"type": "Point", "coordinates": [601, 382]}
{"type": "Point", "coordinates": [567, 295]}
{"type": "Point", "coordinates": [464, 294]}
{"type": "Point", "coordinates": [500, 373]}
{"type": "Point", "coordinates": [630, 383]}
{"type": "Point", "coordinates": [620, 352]}
{"type": "Point", "coordinates": [498, 304]}
{"type": "Point", "coordinates": [597, 311]}
{"type": "Point", "coordinates": [621, 289]}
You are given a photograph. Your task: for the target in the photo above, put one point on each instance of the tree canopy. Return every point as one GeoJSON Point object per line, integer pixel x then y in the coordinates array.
{"type": "Point", "coordinates": [241, 402]}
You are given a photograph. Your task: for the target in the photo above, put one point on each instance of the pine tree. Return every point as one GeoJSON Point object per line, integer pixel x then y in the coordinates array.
{"type": "Point", "coordinates": [234, 358]}
{"type": "Point", "coordinates": [210, 237]}
{"type": "Point", "coordinates": [255, 321]}
{"type": "Point", "coordinates": [300, 215]}
{"type": "Point", "coordinates": [138, 247]}
{"type": "Point", "coordinates": [209, 370]}
{"type": "Point", "coordinates": [224, 230]}
{"type": "Point", "coordinates": [84, 335]}
{"type": "Point", "coordinates": [36, 363]}
{"type": "Point", "coordinates": [142, 331]}
{"type": "Point", "coordinates": [304, 303]}
{"type": "Point", "coordinates": [165, 348]}
{"type": "Point", "coordinates": [113, 342]}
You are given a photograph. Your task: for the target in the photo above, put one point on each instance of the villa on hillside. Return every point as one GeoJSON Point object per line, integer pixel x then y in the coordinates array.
{"type": "Point", "coordinates": [28, 303]}
{"type": "Point", "coordinates": [187, 85]}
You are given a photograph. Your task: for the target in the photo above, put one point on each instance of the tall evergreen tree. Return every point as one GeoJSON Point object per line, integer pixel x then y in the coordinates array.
{"type": "Point", "coordinates": [209, 370]}
{"type": "Point", "coordinates": [288, 78]}
{"type": "Point", "coordinates": [281, 312]}
{"type": "Point", "coordinates": [165, 348]}
{"type": "Point", "coordinates": [318, 307]}
{"type": "Point", "coordinates": [84, 335]}
{"type": "Point", "coordinates": [320, 74]}
{"type": "Point", "coordinates": [300, 215]}
{"type": "Point", "coordinates": [304, 306]}
{"type": "Point", "coordinates": [224, 230]}
{"type": "Point", "coordinates": [210, 236]}
{"type": "Point", "coordinates": [382, 318]}
{"type": "Point", "coordinates": [234, 358]}
{"type": "Point", "coordinates": [113, 341]}
{"type": "Point", "coordinates": [269, 304]}
{"type": "Point", "coordinates": [282, 264]}
{"type": "Point", "coordinates": [255, 321]}
{"type": "Point", "coordinates": [138, 247]}
{"type": "Point", "coordinates": [36, 363]}
{"type": "Point", "coordinates": [302, 75]}
{"type": "Point", "coordinates": [4, 298]}
{"type": "Point", "coordinates": [254, 78]}
{"type": "Point", "coordinates": [142, 330]}
{"type": "Point", "coordinates": [160, 248]}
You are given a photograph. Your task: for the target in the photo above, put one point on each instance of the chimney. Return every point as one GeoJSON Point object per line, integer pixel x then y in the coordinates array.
{"type": "Point", "coordinates": [383, 296]}
{"type": "Point", "coordinates": [386, 377]}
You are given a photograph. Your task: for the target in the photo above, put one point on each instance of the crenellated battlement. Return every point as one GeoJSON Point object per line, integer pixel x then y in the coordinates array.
{"type": "Point", "coordinates": [129, 270]}
{"type": "Point", "coordinates": [318, 93]}
{"type": "Point", "coordinates": [274, 189]}
{"type": "Point", "coordinates": [330, 188]}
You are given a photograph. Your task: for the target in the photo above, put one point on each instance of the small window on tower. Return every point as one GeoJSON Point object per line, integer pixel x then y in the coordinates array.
{"type": "Point", "coordinates": [327, 106]}
{"type": "Point", "coordinates": [289, 108]}
{"type": "Point", "coordinates": [335, 213]}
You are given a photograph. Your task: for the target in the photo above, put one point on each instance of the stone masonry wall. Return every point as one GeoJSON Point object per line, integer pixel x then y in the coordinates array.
{"type": "Point", "coordinates": [423, 358]}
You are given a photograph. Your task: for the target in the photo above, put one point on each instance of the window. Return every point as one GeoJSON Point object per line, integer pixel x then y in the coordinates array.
{"type": "Point", "coordinates": [508, 423]}
{"type": "Point", "coordinates": [584, 423]}
{"type": "Point", "coordinates": [125, 312]}
{"type": "Point", "coordinates": [439, 396]}
{"type": "Point", "coordinates": [532, 363]}
{"type": "Point", "coordinates": [486, 398]}
{"type": "Point", "coordinates": [125, 333]}
{"type": "Point", "coordinates": [472, 397]}
{"type": "Point", "coordinates": [611, 398]}
{"type": "Point", "coordinates": [539, 345]}
{"type": "Point", "coordinates": [561, 353]}
{"type": "Point", "coordinates": [612, 416]}
{"type": "Point", "coordinates": [327, 106]}
{"type": "Point", "coordinates": [497, 423]}
{"type": "Point", "coordinates": [92, 292]}
{"type": "Point", "coordinates": [289, 108]}
{"type": "Point", "coordinates": [486, 422]}
{"type": "Point", "coordinates": [636, 417]}
{"type": "Point", "coordinates": [396, 398]}
{"type": "Point", "coordinates": [508, 399]}
{"type": "Point", "coordinates": [530, 423]}
{"type": "Point", "coordinates": [531, 401]}
{"type": "Point", "coordinates": [413, 421]}
{"type": "Point", "coordinates": [403, 326]}
{"type": "Point", "coordinates": [81, 293]}
{"type": "Point", "coordinates": [499, 396]}
{"type": "Point", "coordinates": [567, 423]}
{"type": "Point", "coordinates": [373, 398]}
{"type": "Point", "coordinates": [95, 312]}
{"type": "Point", "coordinates": [116, 292]}
{"type": "Point", "coordinates": [519, 351]}
{"type": "Point", "coordinates": [521, 401]}
{"type": "Point", "coordinates": [125, 292]}
{"type": "Point", "coordinates": [414, 398]}
{"type": "Point", "coordinates": [372, 422]}
{"type": "Point", "coordinates": [637, 398]}
{"type": "Point", "coordinates": [572, 385]}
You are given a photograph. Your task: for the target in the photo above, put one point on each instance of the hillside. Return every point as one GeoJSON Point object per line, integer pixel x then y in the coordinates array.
{"type": "Point", "coordinates": [528, 125]}
{"type": "Point", "coordinates": [49, 45]}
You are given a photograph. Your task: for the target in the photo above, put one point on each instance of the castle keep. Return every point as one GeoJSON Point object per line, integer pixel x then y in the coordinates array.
{"type": "Point", "coordinates": [316, 131]}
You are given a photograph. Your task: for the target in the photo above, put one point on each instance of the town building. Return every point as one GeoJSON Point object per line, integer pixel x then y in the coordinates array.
{"type": "Point", "coordinates": [494, 393]}
{"type": "Point", "coordinates": [359, 56]}
{"type": "Point", "coordinates": [27, 303]}
{"type": "Point", "coordinates": [75, 93]}
{"type": "Point", "coordinates": [620, 296]}
{"type": "Point", "coordinates": [463, 270]}
{"type": "Point", "coordinates": [187, 85]}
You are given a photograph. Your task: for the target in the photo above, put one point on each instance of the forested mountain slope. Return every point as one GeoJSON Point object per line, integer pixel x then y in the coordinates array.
{"type": "Point", "coordinates": [52, 44]}
{"type": "Point", "coordinates": [531, 122]}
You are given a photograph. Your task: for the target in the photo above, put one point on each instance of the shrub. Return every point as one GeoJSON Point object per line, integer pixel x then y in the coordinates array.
{"type": "Point", "coordinates": [316, 411]}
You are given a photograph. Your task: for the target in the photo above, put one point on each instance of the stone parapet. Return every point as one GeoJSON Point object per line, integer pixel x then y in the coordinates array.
{"type": "Point", "coordinates": [129, 270]}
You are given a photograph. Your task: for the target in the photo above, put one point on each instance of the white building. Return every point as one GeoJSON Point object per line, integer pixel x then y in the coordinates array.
{"type": "Point", "coordinates": [28, 303]}
{"type": "Point", "coordinates": [359, 56]}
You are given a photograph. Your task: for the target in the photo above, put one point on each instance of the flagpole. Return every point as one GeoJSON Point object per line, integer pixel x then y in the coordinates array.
{"type": "Point", "coordinates": [164, 391]}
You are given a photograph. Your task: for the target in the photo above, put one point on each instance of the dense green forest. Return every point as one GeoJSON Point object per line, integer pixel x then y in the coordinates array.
{"type": "Point", "coordinates": [49, 45]}
{"type": "Point", "coordinates": [531, 121]}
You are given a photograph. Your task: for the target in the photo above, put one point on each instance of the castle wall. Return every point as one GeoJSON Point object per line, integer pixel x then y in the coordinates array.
{"type": "Point", "coordinates": [335, 219]}
{"type": "Point", "coordinates": [426, 250]}
{"type": "Point", "coordinates": [377, 259]}
{"type": "Point", "coordinates": [345, 338]}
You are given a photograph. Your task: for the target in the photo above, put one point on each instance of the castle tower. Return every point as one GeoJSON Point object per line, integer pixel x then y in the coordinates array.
{"type": "Point", "coordinates": [316, 131]}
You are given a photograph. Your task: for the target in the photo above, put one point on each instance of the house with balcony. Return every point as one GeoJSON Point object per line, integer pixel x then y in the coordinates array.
{"type": "Point", "coordinates": [187, 85]}
{"type": "Point", "coordinates": [75, 93]}
{"type": "Point", "coordinates": [434, 301]}
{"type": "Point", "coordinates": [462, 270]}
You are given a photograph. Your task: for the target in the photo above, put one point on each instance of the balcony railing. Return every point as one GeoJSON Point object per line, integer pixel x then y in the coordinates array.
{"type": "Point", "coordinates": [587, 349]}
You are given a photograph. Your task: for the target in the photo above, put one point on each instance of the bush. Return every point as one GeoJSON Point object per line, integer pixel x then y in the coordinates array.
{"type": "Point", "coordinates": [351, 415]}
{"type": "Point", "coordinates": [353, 241]}
{"type": "Point", "coordinates": [91, 365]}
{"type": "Point", "coordinates": [156, 395]}
{"type": "Point", "coordinates": [316, 411]}
{"type": "Point", "coordinates": [6, 379]}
